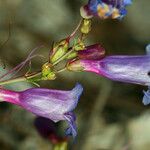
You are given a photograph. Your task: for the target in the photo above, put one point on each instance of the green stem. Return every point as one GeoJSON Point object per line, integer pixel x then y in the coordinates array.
{"type": "Point", "coordinates": [23, 78]}
{"type": "Point", "coordinates": [19, 79]}
{"type": "Point", "coordinates": [76, 29]}
{"type": "Point", "coordinates": [62, 70]}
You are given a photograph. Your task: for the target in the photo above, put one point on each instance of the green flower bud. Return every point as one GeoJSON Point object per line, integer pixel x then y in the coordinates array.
{"type": "Point", "coordinates": [79, 45]}
{"type": "Point", "coordinates": [72, 55]}
{"type": "Point", "coordinates": [47, 72]}
{"type": "Point", "coordinates": [86, 26]}
{"type": "Point", "coordinates": [59, 50]}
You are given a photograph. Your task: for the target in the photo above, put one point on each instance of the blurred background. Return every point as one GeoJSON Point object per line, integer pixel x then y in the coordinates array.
{"type": "Point", "coordinates": [110, 115]}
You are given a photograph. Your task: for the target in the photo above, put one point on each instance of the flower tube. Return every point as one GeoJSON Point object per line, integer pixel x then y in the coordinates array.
{"type": "Point", "coordinates": [52, 104]}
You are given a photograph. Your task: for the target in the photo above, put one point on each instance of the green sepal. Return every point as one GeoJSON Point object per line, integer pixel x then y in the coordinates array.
{"type": "Point", "coordinates": [74, 65]}
{"type": "Point", "coordinates": [47, 72]}
{"type": "Point", "coordinates": [72, 55]}
{"type": "Point", "coordinates": [59, 50]}
{"type": "Point", "coordinates": [79, 45]}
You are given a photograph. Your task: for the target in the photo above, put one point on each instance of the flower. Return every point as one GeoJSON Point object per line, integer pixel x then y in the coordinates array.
{"type": "Point", "coordinates": [130, 69]}
{"type": "Point", "coordinates": [55, 105]}
{"type": "Point", "coordinates": [114, 9]}
{"type": "Point", "coordinates": [93, 52]}
{"type": "Point", "coordinates": [49, 130]}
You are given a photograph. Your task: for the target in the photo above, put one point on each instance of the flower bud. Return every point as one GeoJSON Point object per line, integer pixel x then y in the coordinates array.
{"type": "Point", "coordinates": [85, 12]}
{"type": "Point", "coordinates": [79, 45]}
{"type": "Point", "coordinates": [47, 72]}
{"type": "Point", "coordinates": [59, 50]}
{"type": "Point", "coordinates": [93, 52]}
{"type": "Point", "coordinates": [72, 55]}
{"type": "Point", "coordinates": [86, 26]}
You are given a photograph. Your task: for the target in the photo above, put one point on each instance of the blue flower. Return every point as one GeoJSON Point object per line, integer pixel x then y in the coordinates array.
{"type": "Point", "coordinates": [114, 9]}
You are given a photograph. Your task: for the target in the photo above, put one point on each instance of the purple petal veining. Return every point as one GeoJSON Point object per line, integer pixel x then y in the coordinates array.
{"type": "Point", "coordinates": [53, 104]}
{"type": "Point", "coordinates": [93, 52]}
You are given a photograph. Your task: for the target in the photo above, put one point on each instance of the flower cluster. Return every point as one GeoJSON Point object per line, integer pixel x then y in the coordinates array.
{"type": "Point", "coordinates": [115, 9]}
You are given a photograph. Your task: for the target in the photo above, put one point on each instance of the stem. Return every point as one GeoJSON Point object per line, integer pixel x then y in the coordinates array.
{"type": "Point", "coordinates": [23, 78]}
{"type": "Point", "coordinates": [19, 79]}
{"type": "Point", "coordinates": [61, 70]}
{"type": "Point", "coordinates": [76, 29]}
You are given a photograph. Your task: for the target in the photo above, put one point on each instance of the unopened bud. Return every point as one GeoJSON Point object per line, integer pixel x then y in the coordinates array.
{"type": "Point", "coordinates": [47, 72]}
{"type": "Point", "coordinates": [59, 50]}
{"type": "Point", "coordinates": [86, 26]}
{"type": "Point", "coordinates": [72, 55]}
{"type": "Point", "coordinates": [92, 52]}
{"type": "Point", "coordinates": [85, 13]}
{"type": "Point", "coordinates": [79, 45]}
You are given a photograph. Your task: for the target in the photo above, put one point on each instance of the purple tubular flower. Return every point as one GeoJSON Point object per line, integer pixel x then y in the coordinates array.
{"type": "Point", "coordinates": [114, 9]}
{"type": "Point", "coordinates": [52, 104]}
{"type": "Point", "coordinates": [130, 69]}
{"type": "Point", "coordinates": [95, 51]}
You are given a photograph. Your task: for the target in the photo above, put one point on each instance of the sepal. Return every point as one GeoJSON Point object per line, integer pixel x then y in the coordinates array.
{"type": "Point", "coordinates": [47, 72]}
{"type": "Point", "coordinates": [59, 50]}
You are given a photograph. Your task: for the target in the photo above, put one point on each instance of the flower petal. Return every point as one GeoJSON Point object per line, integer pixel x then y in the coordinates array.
{"type": "Point", "coordinates": [146, 98]}
{"type": "Point", "coordinates": [77, 91]}
{"type": "Point", "coordinates": [93, 52]}
{"type": "Point", "coordinates": [72, 129]}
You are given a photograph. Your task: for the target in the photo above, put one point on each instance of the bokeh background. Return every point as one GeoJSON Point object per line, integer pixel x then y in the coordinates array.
{"type": "Point", "coordinates": [110, 115]}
